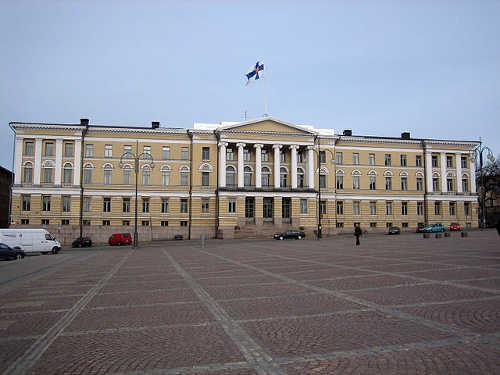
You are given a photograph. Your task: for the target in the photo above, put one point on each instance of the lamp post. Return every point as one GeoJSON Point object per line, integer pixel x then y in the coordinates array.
{"type": "Point", "coordinates": [478, 154]}
{"type": "Point", "coordinates": [147, 161]}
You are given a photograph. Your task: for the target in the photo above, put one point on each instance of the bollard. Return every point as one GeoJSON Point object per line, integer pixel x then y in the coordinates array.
{"type": "Point", "coordinates": [427, 235]}
{"type": "Point", "coordinates": [463, 234]}
{"type": "Point", "coordinates": [447, 234]}
{"type": "Point", "coordinates": [203, 240]}
{"type": "Point", "coordinates": [439, 235]}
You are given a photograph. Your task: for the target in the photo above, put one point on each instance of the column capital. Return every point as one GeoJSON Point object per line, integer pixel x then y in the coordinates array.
{"type": "Point", "coordinates": [258, 145]}
{"type": "Point", "coordinates": [222, 144]}
{"type": "Point", "coordinates": [294, 147]}
{"type": "Point", "coordinates": [277, 146]}
{"type": "Point", "coordinates": [241, 144]}
{"type": "Point", "coordinates": [309, 148]}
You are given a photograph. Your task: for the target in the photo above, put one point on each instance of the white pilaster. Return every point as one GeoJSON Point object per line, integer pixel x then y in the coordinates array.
{"type": "Point", "coordinates": [258, 165]}
{"type": "Point", "coordinates": [444, 187]}
{"type": "Point", "coordinates": [310, 167]}
{"type": "Point", "coordinates": [241, 173]}
{"type": "Point", "coordinates": [18, 160]}
{"type": "Point", "coordinates": [276, 171]}
{"type": "Point", "coordinates": [428, 171]}
{"type": "Point", "coordinates": [472, 166]}
{"type": "Point", "coordinates": [76, 162]}
{"type": "Point", "coordinates": [37, 171]}
{"type": "Point", "coordinates": [458, 162]}
{"type": "Point", "coordinates": [293, 149]}
{"type": "Point", "coordinates": [222, 164]}
{"type": "Point", "coordinates": [57, 174]}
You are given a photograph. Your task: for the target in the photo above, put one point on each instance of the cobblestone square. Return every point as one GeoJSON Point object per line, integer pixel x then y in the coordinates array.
{"type": "Point", "coordinates": [394, 305]}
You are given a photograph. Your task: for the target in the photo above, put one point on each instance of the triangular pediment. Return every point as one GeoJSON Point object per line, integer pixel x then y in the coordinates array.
{"type": "Point", "coordinates": [265, 125]}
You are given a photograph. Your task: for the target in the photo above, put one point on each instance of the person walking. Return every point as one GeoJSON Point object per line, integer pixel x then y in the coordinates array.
{"type": "Point", "coordinates": [357, 233]}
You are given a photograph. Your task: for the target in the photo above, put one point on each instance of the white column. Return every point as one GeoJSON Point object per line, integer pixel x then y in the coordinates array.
{"type": "Point", "coordinates": [276, 171]}
{"type": "Point", "coordinates": [293, 149]}
{"type": "Point", "coordinates": [428, 170]}
{"type": "Point", "coordinates": [57, 174]}
{"type": "Point", "coordinates": [76, 162]}
{"type": "Point", "coordinates": [310, 166]}
{"type": "Point", "coordinates": [222, 164]}
{"type": "Point", "coordinates": [18, 160]}
{"type": "Point", "coordinates": [444, 187]}
{"type": "Point", "coordinates": [472, 166]}
{"type": "Point", "coordinates": [258, 165]}
{"type": "Point", "coordinates": [458, 161]}
{"type": "Point", "coordinates": [38, 161]}
{"type": "Point", "coordinates": [241, 173]}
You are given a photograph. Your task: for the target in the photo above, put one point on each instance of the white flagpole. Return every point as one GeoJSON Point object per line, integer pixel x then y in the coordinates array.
{"type": "Point", "coordinates": [266, 113]}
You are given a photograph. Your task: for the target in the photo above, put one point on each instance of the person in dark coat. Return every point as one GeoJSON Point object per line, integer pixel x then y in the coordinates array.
{"type": "Point", "coordinates": [498, 227]}
{"type": "Point", "coordinates": [357, 233]}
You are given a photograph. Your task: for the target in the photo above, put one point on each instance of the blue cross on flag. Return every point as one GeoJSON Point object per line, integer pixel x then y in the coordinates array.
{"type": "Point", "coordinates": [256, 72]}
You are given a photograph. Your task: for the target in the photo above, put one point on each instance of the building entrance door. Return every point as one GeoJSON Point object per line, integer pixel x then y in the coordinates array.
{"type": "Point", "coordinates": [285, 209]}
{"type": "Point", "coordinates": [250, 208]}
{"type": "Point", "coordinates": [268, 209]}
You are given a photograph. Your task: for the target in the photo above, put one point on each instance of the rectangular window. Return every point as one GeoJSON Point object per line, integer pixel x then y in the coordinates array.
{"type": "Point", "coordinates": [184, 223]}
{"type": "Point", "coordinates": [355, 158]}
{"type": "Point", "coordinates": [184, 178]}
{"type": "Point", "coordinates": [404, 208]}
{"type": "Point", "coordinates": [126, 223]}
{"type": "Point", "coordinates": [338, 157]}
{"type": "Point", "coordinates": [205, 208]}
{"type": "Point", "coordinates": [373, 208]}
{"type": "Point", "coordinates": [26, 203]}
{"type": "Point", "coordinates": [229, 154]}
{"type": "Point", "coordinates": [387, 160]}
{"type": "Point", "coordinates": [420, 184]}
{"type": "Point", "coordinates": [165, 153]}
{"type": "Point", "coordinates": [89, 150]}
{"type": "Point", "coordinates": [465, 185]}
{"type": "Point", "coordinates": [87, 175]}
{"type": "Point", "coordinates": [435, 184]}
{"type": "Point", "coordinates": [388, 183]}
{"type": "Point", "coordinates": [145, 205]}
{"type": "Point", "coordinates": [340, 207]}
{"type": "Point", "coordinates": [418, 160]}
{"type": "Point", "coordinates": [403, 160]}
{"type": "Point", "coordinates": [165, 178]}
{"type": "Point", "coordinates": [388, 224]}
{"type": "Point", "coordinates": [86, 204]}
{"type": "Point", "coordinates": [449, 184]}
{"type": "Point", "coordinates": [205, 178]}
{"type": "Point", "coordinates": [388, 208]}
{"type": "Point", "coordinates": [68, 150]}
{"type": "Point", "coordinates": [28, 174]}
{"type": "Point", "coordinates": [453, 209]}
{"type": "Point", "coordinates": [106, 223]}
{"type": "Point", "coordinates": [46, 203]}
{"type": "Point", "coordinates": [355, 182]}
{"type": "Point", "coordinates": [322, 207]}
{"type": "Point", "coordinates": [126, 176]}
{"type": "Point", "coordinates": [126, 205]}
{"type": "Point", "coordinates": [300, 157]}
{"type": "Point", "coordinates": [322, 181]}
{"type": "Point", "coordinates": [127, 149]}
{"type": "Point", "coordinates": [437, 208]}
{"type": "Point", "coordinates": [147, 150]}
{"type": "Point", "coordinates": [205, 153]}
{"type": "Point", "coordinates": [145, 223]}
{"type": "Point", "coordinates": [264, 155]}
{"type": "Point", "coordinates": [108, 151]}
{"type": "Point", "coordinates": [339, 225]}
{"type": "Point", "coordinates": [232, 206]}
{"type": "Point", "coordinates": [107, 176]}
{"type": "Point", "coordinates": [184, 206]}
{"type": "Point", "coordinates": [146, 177]}
{"type": "Point", "coordinates": [322, 157]}
{"type": "Point", "coordinates": [164, 205]}
{"type": "Point", "coordinates": [420, 208]}
{"type": "Point", "coordinates": [449, 161]}
{"type": "Point", "coordinates": [373, 225]}
{"type": "Point", "coordinates": [463, 161]}
{"type": "Point", "coordinates": [29, 149]}
{"type": "Point", "coordinates": [466, 208]}
{"type": "Point", "coordinates": [355, 208]}
{"type": "Point", "coordinates": [47, 175]}
{"type": "Point", "coordinates": [64, 222]}
{"type": "Point", "coordinates": [67, 176]}
{"type": "Point", "coordinates": [373, 183]}
{"type": "Point", "coordinates": [434, 160]}
{"type": "Point", "coordinates": [66, 204]}
{"type": "Point", "coordinates": [303, 206]}
{"type": "Point", "coordinates": [185, 153]}
{"type": "Point", "coordinates": [106, 205]}
{"type": "Point", "coordinates": [25, 221]}
{"type": "Point", "coordinates": [282, 156]}
{"type": "Point", "coordinates": [49, 148]}
{"type": "Point", "coordinates": [340, 182]}
{"type": "Point", "coordinates": [164, 223]}
{"type": "Point", "coordinates": [372, 159]}
{"type": "Point", "coordinates": [404, 183]}
{"type": "Point", "coordinates": [404, 225]}
{"type": "Point", "coordinates": [246, 155]}
{"type": "Point", "coordinates": [86, 223]}
{"type": "Point", "coordinates": [45, 221]}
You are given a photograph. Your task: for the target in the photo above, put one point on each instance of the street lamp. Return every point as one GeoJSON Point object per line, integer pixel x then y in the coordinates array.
{"type": "Point", "coordinates": [147, 161]}
{"type": "Point", "coordinates": [478, 154]}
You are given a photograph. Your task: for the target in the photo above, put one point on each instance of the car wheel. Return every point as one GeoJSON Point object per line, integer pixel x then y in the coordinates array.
{"type": "Point", "coordinates": [281, 238]}
{"type": "Point", "coordinates": [19, 257]}
{"type": "Point", "coordinates": [54, 250]}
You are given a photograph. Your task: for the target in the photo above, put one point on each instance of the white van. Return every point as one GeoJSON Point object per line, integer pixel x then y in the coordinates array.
{"type": "Point", "coordinates": [30, 240]}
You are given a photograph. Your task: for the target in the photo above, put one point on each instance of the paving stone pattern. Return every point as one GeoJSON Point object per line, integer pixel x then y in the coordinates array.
{"type": "Point", "coordinates": [394, 305]}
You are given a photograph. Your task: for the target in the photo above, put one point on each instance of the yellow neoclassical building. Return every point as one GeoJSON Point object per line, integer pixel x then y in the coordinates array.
{"type": "Point", "coordinates": [235, 180]}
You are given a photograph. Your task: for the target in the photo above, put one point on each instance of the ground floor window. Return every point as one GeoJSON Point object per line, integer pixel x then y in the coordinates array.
{"type": "Point", "coordinates": [373, 225]}
{"type": "Point", "coordinates": [25, 221]}
{"type": "Point", "coordinates": [388, 225]}
{"type": "Point", "coordinates": [126, 223]}
{"type": "Point", "coordinates": [232, 206]}
{"type": "Point", "coordinates": [106, 223]}
{"type": "Point", "coordinates": [268, 208]}
{"type": "Point", "coordinates": [285, 208]}
{"type": "Point", "coordinates": [404, 225]}
{"type": "Point", "coordinates": [184, 223]}
{"type": "Point", "coordinates": [86, 223]}
{"type": "Point", "coordinates": [249, 207]}
{"type": "Point", "coordinates": [64, 222]}
{"type": "Point", "coordinates": [145, 223]}
{"type": "Point", "coordinates": [303, 206]}
{"type": "Point", "coordinates": [164, 223]}
{"type": "Point", "coordinates": [340, 225]}
{"type": "Point", "coordinates": [45, 222]}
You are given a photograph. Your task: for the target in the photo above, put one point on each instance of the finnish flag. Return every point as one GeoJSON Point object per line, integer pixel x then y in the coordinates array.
{"type": "Point", "coordinates": [256, 72]}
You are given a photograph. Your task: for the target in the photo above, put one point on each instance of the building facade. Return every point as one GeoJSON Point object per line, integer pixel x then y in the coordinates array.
{"type": "Point", "coordinates": [235, 180]}
{"type": "Point", "coordinates": [6, 179]}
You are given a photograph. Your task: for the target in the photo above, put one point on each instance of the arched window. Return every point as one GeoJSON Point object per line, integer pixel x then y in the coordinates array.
{"type": "Point", "coordinates": [67, 174]}
{"type": "Point", "coordinates": [108, 170]}
{"type": "Point", "coordinates": [230, 176]}
{"type": "Point", "coordinates": [184, 170]}
{"type": "Point", "coordinates": [265, 176]}
{"type": "Point", "coordinates": [283, 177]}
{"type": "Point", "coordinates": [146, 175]}
{"type": "Point", "coordinates": [248, 176]}
{"type": "Point", "coordinates": [87, 173]}
{"type": "Point", "coordinates": [28, 173]}
{"type": "Point", "coordinates": [165, 175]}
{"type": "Point", "coordinates": [127, 173]}
{"type": "Point", "coordinates": [48, 172]}
{"type": "Point", "coordinates": [465, 183]}
{"type": "Point", "coordinates": [300, 177]}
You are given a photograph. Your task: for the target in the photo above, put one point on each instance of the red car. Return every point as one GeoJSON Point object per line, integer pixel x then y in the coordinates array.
{"type": "Point", "coordinates": [120, 239]}
{"type": "Point", "coordinates": [455, 226]}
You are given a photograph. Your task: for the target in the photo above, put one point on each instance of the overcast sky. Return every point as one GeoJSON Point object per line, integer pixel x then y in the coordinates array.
{"type": "Point", "coordinates": [376, 67]}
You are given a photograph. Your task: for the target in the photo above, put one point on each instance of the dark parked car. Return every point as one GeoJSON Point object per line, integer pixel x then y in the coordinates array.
{"type": "Point", "coordinates": [420, 228]}
{"type": "Point", "coordinates": [8, 253]}
{"type": "Point", "coordinates": [82, 242]}
{"type": "Point", "coordinates": [120, 239]}
{"type": "Point", "coordinates": [178, 237]}
{"type": "Point", "coordinates": [394, 230]}
{"type": "Point", "coordinates": [290, 234]}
